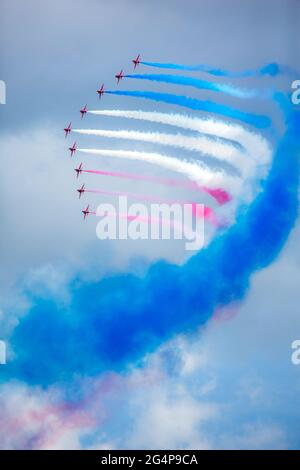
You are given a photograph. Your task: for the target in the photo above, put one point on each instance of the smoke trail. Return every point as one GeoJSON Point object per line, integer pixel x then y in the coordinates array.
{"type": "Point", "coordinates": [207, 146]}
{"type": "Point", "coordinates": [200, 84]}
{"type": "Point", "coordinates": [221, 196]}
{"type": "Point", "coordinates": [208, 213]}
{"type": "Point", "coordinates": [255, 120]}
{"type": "Point", "coordinates": [256, 146]}
{"type": "Point", "coordinates": [151, 220]}
{"type": "Point", "coordinates": [271, 69]}
{"type": "Point", "coordinates": [115, 321]}
{"type": "Point", "coordinates": [197, 172]}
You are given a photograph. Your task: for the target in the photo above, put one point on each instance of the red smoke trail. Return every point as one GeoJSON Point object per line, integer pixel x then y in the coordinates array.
{"type": "Point", "coordinates": [220, 195]}
{"type": "Point", "coordinates": [207, 213]}
{"type": "Point", "coordinates": [147, 219]}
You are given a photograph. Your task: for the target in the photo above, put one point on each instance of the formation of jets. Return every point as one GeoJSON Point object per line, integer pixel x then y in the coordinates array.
{"type": "Point", "coordinates": [83, 111]}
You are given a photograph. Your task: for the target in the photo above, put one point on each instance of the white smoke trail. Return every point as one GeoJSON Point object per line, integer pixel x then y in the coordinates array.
{"type": "Point", "coordinates": [200, 173]}
{"type": "Point", "coordinates": [256, 146]}
{"type": "Point", "coordinates": [206, 145]}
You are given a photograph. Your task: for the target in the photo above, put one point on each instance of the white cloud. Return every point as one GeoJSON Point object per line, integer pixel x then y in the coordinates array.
{"type": "Point", "coordinates": [170, 422]}
{"type": "Point", "coordinates": [256, 437]}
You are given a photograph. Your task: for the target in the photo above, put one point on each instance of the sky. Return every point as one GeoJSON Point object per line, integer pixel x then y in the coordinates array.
{"type": "Point", "coordinates": [194, 370]}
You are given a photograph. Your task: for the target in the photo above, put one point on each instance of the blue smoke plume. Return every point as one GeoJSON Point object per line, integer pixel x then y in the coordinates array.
{"type": "Point", "coordinates": [271, 69]}
{"type": "Point", "coordinates": [255, 120]}
{"type": "Point", "coordinates": [114, 322]}
{"type": "Point", "coordinates": [199, 84]}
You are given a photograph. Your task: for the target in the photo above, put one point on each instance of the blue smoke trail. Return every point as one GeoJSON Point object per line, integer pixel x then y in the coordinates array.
{"type": "Point", "coordinates": [255, 120]}
{"type": "Point", "coordinates": [200, 84]}
{"type": "Point", "coordinates": [271, 69]}
{"type": "Point", "coordinates": [114, 322]}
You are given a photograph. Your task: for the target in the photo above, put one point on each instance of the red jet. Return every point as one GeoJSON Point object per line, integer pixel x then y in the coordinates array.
{"type": "Point", "coordinates": [101, 91]}
{"type": "Point", "coordinates": [83, 111]}
{"type": "Point", "coordinates": [86, 212]}
{"type": "Point", "coordinates": [137, 61]}
{"type": "Point", "coordinates": [79, 170]}
{"type": "Point", "coordinates": [73, 149]}
{"type": "Point", "coordinates": [81, 191]}
{"type": "Point", "coordinates": [119, 76]}
{"type": "Point", "coordinates": [68, 129]}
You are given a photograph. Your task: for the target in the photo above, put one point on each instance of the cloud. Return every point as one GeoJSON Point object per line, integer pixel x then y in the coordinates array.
{"type": "Point", "coordinates": [31, 419]}
{"type": "Point", "coordinates": [256, 437]}
{"type": "Point", "coordinates": [231, 385]}
{"type": "Point", "coordinates": [170, 423]}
